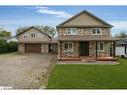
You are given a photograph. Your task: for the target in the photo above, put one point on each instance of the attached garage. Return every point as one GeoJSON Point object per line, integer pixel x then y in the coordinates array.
{"type": "Point", "coordinates": [32, 48]}
{"type": "Point", "coordinates": [33, 40]}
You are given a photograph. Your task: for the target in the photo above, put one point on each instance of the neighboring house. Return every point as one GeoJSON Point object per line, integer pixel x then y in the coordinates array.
{"type": "Point", "coordinates": [121, 47]}
{"type": "Point", "coordinates": [12, 39]}
{"type": "Point", "coordinates": [34, 40]}
{"type": "Point", "coordinates": [85, 36]}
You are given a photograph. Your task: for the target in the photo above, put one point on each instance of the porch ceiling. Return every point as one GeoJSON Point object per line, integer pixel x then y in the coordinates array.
{"type": "Point", "coordinates": [87, 38]}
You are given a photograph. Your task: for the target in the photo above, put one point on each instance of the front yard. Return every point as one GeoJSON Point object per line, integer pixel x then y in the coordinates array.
{"type": "Point", "coordinates": [82, 76]}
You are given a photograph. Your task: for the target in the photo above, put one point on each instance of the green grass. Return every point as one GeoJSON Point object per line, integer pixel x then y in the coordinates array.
{"type": "Point", "coordinates": [89, 76]}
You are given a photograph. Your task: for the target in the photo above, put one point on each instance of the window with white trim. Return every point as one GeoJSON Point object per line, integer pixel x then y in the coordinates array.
{"type": "Point", "coordinates": [33, 35]}
{"type": "Point", "coordinates": [68, 46]}
{"type": "Point", "coordinates": [96, 31]}
{"type": "Point", "coordinates": [72, 31]}
{"type": "Point", "coordinates": [100, 46]}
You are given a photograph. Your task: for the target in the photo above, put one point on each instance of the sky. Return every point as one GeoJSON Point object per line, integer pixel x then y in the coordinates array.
{"type": "Point", "coordinates": [12, 17]}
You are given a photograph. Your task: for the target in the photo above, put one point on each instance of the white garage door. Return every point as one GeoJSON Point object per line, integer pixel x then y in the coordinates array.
{"type": "Point", "coordinates": [120, 50]}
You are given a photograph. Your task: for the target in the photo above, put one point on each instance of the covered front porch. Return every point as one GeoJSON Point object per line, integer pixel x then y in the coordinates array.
{"type": "Point", "coordinates": [87, 51]}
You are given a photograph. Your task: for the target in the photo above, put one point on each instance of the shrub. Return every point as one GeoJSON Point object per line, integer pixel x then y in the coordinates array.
{"type": "Point", "coordinates": [8, 47]}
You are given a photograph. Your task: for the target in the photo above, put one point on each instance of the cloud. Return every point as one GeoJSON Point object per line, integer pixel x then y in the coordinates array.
{"type": "Point", "coordinates": [119, 24]}
{"type": "Point", "coordinates": [46, 10]}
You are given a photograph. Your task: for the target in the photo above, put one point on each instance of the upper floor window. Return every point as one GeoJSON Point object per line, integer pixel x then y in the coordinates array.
{"type": "Point", "coordinates": [72, 31]}
{"type": "Point", "coordinates": [32, 35]}
{"type": "Point", "coordinates": [96, 31]}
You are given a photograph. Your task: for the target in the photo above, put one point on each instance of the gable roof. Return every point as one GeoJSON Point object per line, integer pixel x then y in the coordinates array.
{"type": "Point", "coordinates": [35, 29]}
{"type": "Point", "coordinates": [88, 13]}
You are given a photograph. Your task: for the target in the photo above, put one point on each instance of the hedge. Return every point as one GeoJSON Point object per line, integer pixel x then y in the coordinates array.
{"type": "Point", "coordinates": [8, 47]}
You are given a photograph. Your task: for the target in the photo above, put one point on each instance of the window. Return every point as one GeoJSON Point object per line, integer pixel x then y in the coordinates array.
{"type": "Point", "coordinates": [72, 31]}
{"type": "Point", "coordinates": [33, 35]}
{"type": "Point", "coordinates": [26, 35]}
{"type": "Point", "coordinates": [100, 46]}
{"type": "Point", "coordinates": [96, 31]}
{"type": "Point", "coordinates": [68, 46]}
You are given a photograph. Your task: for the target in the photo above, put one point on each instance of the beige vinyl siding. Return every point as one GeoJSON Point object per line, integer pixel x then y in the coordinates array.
{"type": "Point", "coordinates": [40, 36]}
{"type": "Point", "coordinates": [83, 20]}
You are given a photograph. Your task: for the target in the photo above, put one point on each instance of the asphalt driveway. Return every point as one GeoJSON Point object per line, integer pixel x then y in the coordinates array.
{"type": "Point", "coordinates": [24, 71]}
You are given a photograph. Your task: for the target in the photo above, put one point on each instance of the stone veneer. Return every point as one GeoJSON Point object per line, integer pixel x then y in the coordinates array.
{"type": "Point", "coordinates": [44, 48]}
{"type": "Point", "coordinates": [21, 48]}
{"type": "Point", "coordinates": [104, 53]}
{"type": "Point", "coordinates": [73, 54]}
{"type": "Point", "coordinates": [92, 50]}
{"type": "Point", "coordinates": [64, 54]}
{"type": "Point", "coordinates": [83, 31]}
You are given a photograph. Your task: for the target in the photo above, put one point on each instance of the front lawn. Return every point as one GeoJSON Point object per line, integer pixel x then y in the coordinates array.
{"type": "Point", "coordinates": [89, 76]}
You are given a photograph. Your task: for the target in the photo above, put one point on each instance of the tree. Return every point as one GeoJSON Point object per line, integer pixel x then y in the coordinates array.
{"type": "Point", "coordinates": [20, 30]}
{"type": "Point", "coordinates": [122, 34]}
{"type": "Point", "coordinates": [46, 29]}
{"type": "Point", "coordinates": [4, 33]}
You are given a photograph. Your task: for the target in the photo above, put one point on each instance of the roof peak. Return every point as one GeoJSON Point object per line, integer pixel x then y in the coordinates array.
{"type": "Point", "coordinates": [87, 12]}
{"type": "Point", "coordinates": [36, 29]}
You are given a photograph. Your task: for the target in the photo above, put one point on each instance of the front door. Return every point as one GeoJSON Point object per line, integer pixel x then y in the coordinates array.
{"type": "Point", "coordinates": [84, 49]}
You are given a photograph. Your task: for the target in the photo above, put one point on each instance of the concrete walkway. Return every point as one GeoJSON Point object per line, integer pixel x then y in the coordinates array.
{"type": "Point", "coordinates": [89, 63]}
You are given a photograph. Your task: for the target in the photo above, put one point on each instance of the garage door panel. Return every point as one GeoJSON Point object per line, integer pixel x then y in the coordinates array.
{"type": "Point", "coordinates": [33, 48]}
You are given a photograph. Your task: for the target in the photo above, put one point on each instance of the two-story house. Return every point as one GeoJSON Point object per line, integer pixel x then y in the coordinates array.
{"type": "Point", "coordinates": [85, 36]}
{"type": "Point", "coordinates": [33, 40]}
